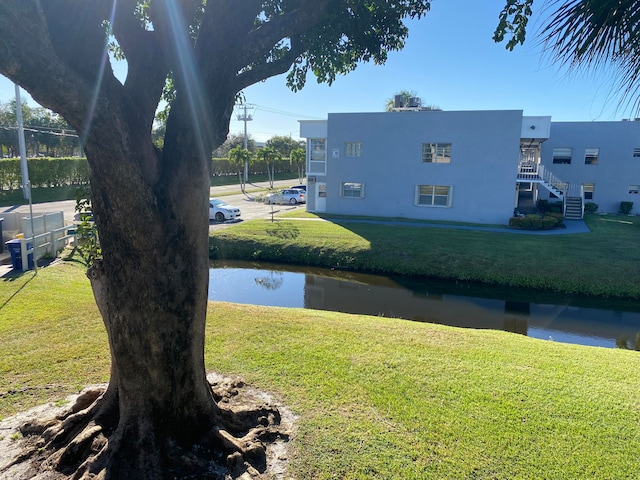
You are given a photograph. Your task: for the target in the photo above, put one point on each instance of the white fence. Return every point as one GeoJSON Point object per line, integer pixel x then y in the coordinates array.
{"type": "Point", "coordinates": [48, 237]}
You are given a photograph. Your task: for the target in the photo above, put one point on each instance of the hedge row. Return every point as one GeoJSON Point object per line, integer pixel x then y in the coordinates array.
{"type": "Point", "coordinates": [44, 172]}
{"type": "Point", "coordinates": [224, 166]}
{"type": "Point", "coordinates": [57, 172]}
{"type": "Point", "coordinates": [537, 222]}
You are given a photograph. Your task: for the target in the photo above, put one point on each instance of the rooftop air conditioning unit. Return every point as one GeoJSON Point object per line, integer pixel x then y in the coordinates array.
{"type": "Point", "coordinates": [398, 101]}
{"type": "Point", "coordinates": [414, 102]}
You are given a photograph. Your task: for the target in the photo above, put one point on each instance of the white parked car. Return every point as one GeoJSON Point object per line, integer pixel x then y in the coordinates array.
{"type": "Point", "coordinates": [221, 211]}
{"type": "Point", "coordinates": [288, 195]}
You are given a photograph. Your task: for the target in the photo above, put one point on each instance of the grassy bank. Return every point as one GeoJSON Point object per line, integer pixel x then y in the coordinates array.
{"type": "Point", "coordinates": [602, 263]}
{"type": "Point", "coordinates": [376, 397]}
{"type": "Point", "coordinates": [38, 195]}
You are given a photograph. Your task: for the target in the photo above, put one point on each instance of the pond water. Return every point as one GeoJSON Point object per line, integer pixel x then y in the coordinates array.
{"type": "Point", "coordinates": [584, 321]}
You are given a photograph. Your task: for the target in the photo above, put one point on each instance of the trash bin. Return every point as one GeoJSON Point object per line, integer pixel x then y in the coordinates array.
{"type": "Point", "coordinates": [16, 254]}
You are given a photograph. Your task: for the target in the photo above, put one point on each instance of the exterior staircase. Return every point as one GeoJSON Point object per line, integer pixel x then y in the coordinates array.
{"type": "Point", "coordinates": [571, 195]}
{"type": "Point", "coordinates": [573, 208]}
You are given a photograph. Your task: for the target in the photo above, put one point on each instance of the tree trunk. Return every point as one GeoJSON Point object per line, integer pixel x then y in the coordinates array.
{"type": "Point", "coordinates": [158, 418]}
{"type": "Point", "coordinates": [154, 315]}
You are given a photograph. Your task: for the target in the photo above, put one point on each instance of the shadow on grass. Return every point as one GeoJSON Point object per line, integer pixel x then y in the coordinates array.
{"type": "Point", "coordinates": [284, 231]}
{"type": "Point", "coordinates": [12, 277]}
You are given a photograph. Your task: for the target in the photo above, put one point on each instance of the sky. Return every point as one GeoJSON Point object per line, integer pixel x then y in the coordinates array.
{"type": "Point", "coordinates": [450, 61]}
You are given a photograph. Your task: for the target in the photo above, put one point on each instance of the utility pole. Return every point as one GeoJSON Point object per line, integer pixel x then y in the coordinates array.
{"type": "Point", "coordinates": [243, 117]}
{"type": "Point", "coordinates": [24, 170]}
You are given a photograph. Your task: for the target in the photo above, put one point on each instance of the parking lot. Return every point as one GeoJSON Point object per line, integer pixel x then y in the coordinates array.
{"type": "Point", "coordinates": [250, 209]}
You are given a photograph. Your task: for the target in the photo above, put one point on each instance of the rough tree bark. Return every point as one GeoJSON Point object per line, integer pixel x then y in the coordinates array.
{"type": "Point", "coordinates": [158, 418]}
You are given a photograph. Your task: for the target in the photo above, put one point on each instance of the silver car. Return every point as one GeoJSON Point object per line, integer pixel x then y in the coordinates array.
{"type": "Point", "coordinates": [221, 211]}
{"type": "Point", "coordinates": [288, 195]}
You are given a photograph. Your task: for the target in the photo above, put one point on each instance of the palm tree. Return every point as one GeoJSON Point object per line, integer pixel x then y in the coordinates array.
{"type": "Point", "coordinates": [596, 33]}
{"type": "Point", "coordinates": [240, 156]}
{"type": "Point", "coordinates": [298, 158]}
{"type": "Point", "coordinates": [587, 34]}
{"type": "Point", "coordinates": [269, 156]}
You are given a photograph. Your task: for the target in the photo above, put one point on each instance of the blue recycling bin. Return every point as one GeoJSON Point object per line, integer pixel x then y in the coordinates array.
{"type": "Point", "coordinates": [16, 254]}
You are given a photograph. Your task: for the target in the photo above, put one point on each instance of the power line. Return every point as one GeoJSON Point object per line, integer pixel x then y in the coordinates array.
{"type": "Point", "coordinates": [60, 132]}
{"type": "Point", "coordinates": [285, 113]}
{"type": "Point", "coordinates": [280, 112]}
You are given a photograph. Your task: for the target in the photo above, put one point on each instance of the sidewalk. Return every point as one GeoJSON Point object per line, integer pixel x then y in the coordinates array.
{"type": "Point", "coordinates": [5, 262]}
{"type": "Point", "coordinates": [571, 226]}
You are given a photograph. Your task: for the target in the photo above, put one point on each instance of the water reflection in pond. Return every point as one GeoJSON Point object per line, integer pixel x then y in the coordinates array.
{"type": "Point", "coordinates": [563, 319]}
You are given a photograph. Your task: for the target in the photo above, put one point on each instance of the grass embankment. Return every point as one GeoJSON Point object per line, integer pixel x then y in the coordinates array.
{"type": "Point", "coordinates": [377, 397]}
{"type": "Point", "coordinates": [601, 263]}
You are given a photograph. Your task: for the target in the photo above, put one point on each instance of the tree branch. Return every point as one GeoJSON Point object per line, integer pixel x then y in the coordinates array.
{"type": "Point", "coordinates": [269, 69]}
{"type": "Point", "coordinates": [35, 64]}
{"type": "Point", "coordinates": [146, 61]}
{"type": "Point", "coordinates": [261, 41]}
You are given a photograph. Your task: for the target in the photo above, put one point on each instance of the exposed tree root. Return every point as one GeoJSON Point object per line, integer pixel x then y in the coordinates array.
{"type": "Point", "coordinates": [82, 442]}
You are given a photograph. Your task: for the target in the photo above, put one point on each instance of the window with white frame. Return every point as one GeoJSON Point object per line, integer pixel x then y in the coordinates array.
{"type": "Point", "coordinates": [353, 149]}
{"type": "Point", "coordinates": [588, 189]}
{"type": "Point", "coordinates": [562, 155]}
{"type": "Point", "coordinates": [591, 156]}
{"type": "Point", "coordinates": [436, 152]}
{"type": "Point", "coordinates": [433, 195]}
{"type": "Point", "coordinates": [633, 189]}
{"type": "Point", "coordinates": [636, 152]}
{"type": "Point", "coordinates": [352, 190]}
{"type": "Point", "coordinates": [317, 155]}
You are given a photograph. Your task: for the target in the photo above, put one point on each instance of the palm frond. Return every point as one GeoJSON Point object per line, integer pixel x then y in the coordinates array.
{"type": "Point", "coordinates": [594, 34]}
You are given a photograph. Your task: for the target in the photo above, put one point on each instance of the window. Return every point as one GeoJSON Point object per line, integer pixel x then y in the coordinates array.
{"type": "Point", "coordinates": [562, 155]}
{"type": "Point", "coordinates": [633, 189]}
{"type": "Point", "coordinates": [353, 149]}
{"type": "Point", "coordinates": [636, 152]}
{"type": "Point", "coordinates": [433, 195]}
{"type": "Point", "coordinates": [588, 189]}
{"type": "Point", "coordinates": [436, 152]}
{"type": "Point", "coordinates": [317, 155]}
{"type": "Point", "coordinates": [352, 190]}
{"type": "Point", "coordinates": [591, 156]}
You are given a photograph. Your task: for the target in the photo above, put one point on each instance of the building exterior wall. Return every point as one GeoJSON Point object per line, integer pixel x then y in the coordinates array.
{"type": "Point", "coordinates": [481, 174]}
{"type": "Point", "coordinates": [617, 168]}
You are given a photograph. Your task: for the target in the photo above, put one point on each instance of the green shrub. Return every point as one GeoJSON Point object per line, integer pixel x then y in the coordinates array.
{"type": "Point", "coordinates": [223, 166]}
{"type": "Point", "coordinates": [558, 216]}
{"type": "Point", "coordinates": [590, 207]}
{"type": "Point", "coordinates": [45, 172]}
{"type": "Point", "coordinates": [626, 207]}
{"type": "Point", "coordinates": [542, 205]}
{"type": "Point", "coordinates": [556, 207]}
{"type": "Point", "coordinates": [536, 222]}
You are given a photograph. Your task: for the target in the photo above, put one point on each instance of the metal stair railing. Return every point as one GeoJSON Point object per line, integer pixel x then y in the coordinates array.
{"type": "Point", "coordinates": [534, 171]}
{"type": "Point", "coordinates": [563, 190]}
{"type": "Point", "coordinates": [550, 179]}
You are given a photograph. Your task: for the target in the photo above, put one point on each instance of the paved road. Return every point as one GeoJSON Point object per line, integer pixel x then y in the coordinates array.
{"type": "Point", "coordinates": [249, 208]}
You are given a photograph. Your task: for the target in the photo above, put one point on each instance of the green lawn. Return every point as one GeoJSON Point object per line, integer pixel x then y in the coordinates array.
{"type": "Point", "coordinates": [52, 194]}
{"type": "Point", "coordinates": [376, 397]}
{"type": "Point", "coordinates": [604, 262]}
